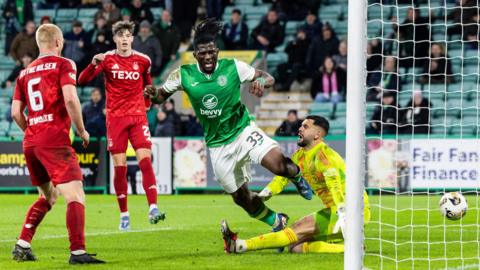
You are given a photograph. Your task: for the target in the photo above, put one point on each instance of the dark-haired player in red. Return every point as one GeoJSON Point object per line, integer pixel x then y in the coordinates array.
{"type": "Point", "coordinates": [127, 73]}
{"type": "Point", "coordinates": [47, 88]}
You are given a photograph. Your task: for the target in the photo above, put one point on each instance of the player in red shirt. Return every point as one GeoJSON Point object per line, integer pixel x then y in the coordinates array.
{"type": "Point", "coordinates": [127, 73]}
{"type": "Point", "coordinates": [47, 88]}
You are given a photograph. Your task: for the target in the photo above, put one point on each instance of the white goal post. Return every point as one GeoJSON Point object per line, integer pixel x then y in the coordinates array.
{"type": "Point", "coordinates": [355, 168]}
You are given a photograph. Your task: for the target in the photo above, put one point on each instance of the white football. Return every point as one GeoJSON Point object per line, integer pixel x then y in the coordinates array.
{"type": "Point", "coordinates": [453, 205]}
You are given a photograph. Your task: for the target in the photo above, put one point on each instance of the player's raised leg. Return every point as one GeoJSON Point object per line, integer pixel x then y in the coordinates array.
{"type": "Point", "coordinates": [121, 188]}
{"type": "Point", "coordinates": [35, 215]}
{"type": "Point", "coordinates": [149, 184]}
{"type": "Point", "coordinates": [281, 165]}
{"type": "Point", "coordinates": [255, 207]}
{"type": "Point", "coordinates": [75, 198]}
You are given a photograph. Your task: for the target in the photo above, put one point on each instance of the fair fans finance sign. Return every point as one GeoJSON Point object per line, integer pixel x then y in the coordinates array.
{"type": "Point", "coordinates": [451, 163]}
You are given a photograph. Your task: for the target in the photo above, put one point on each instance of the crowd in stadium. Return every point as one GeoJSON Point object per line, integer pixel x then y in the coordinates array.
{"type": "Point", "coordinates": [317, 57]}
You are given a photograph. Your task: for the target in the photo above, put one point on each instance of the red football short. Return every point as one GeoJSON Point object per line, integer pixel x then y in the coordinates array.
{"type": "Point", "coordinates": [122, 129]}
{"type": "Point", "coordinates": [58, 164]}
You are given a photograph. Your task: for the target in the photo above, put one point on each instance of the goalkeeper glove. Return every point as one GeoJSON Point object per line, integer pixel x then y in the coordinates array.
{"type": "Point", "coordinates": [340, 225]}
{"type": "Point", "coordinates": [265, 194]}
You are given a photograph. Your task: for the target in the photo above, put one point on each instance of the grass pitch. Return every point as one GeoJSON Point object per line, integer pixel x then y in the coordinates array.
{"type": "Point", "coordinates": [190, 237]}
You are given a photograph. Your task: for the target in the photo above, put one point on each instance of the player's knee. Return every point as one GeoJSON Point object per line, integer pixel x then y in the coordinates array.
{"type": "Point", "coordinates": [51, 197]}
{"type": "Point", "coordinates": [295, 248]}
{"type": "Point", "coordinates": [74, 196]}
{"type": "Point", "coordinates": [280, 168]}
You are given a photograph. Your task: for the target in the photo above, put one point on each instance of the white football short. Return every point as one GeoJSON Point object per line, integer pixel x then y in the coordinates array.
{"type": "Point", "coordinates": [231, 162]}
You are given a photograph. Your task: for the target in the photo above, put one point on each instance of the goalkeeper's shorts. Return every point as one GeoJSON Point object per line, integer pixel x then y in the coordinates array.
{"type": "Point", "coordinates": [325, 220]}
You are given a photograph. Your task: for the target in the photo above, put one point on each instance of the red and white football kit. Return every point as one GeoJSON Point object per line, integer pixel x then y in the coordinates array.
{"type": "Point", "coordinates": [125, 79]}
{"type": "Point", "coordinates": [46, 143]}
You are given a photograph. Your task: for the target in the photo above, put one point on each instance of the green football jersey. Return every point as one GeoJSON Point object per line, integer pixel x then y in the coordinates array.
{"type": "Point", "coordinates": [215, 97]}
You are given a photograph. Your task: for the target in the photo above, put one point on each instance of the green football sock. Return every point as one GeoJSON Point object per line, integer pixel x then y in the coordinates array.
{"type": "Point", "coordinates": [265, 215]}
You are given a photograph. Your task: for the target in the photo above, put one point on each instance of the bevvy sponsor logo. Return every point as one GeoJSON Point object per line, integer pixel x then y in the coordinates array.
{"type": "Point", "coordinates": [210, 102]}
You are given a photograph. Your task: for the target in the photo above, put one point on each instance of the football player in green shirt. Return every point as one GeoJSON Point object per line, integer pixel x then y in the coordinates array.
{"type": "Point", "coordinates": [233, 139]}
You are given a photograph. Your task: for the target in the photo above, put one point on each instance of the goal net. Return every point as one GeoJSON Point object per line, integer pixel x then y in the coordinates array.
{"type": "Point", "coordinates": [422, 133]}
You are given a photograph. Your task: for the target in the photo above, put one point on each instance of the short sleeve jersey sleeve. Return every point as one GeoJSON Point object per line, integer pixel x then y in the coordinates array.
{"type": "Point", "coordinates": [68, 73]}
{"type": "Point", "coordinates": [245, 71]}
{"type": "Point", "coordinates": [174, 82]}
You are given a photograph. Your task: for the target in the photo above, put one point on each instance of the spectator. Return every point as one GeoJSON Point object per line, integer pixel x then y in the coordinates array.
{"type": "Point", "coordinates": [322, 46]}
{"type": "Point", "coordinates": [290, 10]}
{"type": "Point", "coordinates": [374, 55]}
{"type": "Point", "coordinates": [45, 19]}
{"type": "Point", "coordinates": [109, 12]}
{"type": "Point", "coordinates": [214, 9]}
{"type": "Point", "coordinates": [76, 45]}
{"type": "Point", "coordinates": [391, 42]}
{"type": "Point", "coordinates": [331, 83]}
{"type": "Point", "coordinates": [471, 33]}
{"type": "Point", "coordinates": [152, 117]}
{"type": "Point", "coordinates": [295, 68]}
{"type": "Point", "coordinates": [438, 68]}
{"type": "Point", "coordinates": [416, 115]}
{"type": "Point", "coordinates": [89, 3]}
{"type": "Point", "coordinates": [101, 27]}
{"type": "Point", "coordinates": [235, 32]}
{"type": "Point", "coordinates": [384, 118]}
{"type": "Point", "coordinates": [165, 125]}
{"type": "Point", "coordinates": [169, 37]}
{"type": "Point", "coordinates": [70, 3]}
{"type": "Point", "coordinates": [145, 42]}
{"type": "Point", "coordinates": [415, 35]}
{"type": "Point", "coordinates": [185, 15]}
{"type": "Point", "coordinates": [126, 14]}
{"type": "Point", "coordinates": [312, 25]}
{"type": "Point", "coordinates": [16, 14]}
{"type": "Point", "coordinates": [462, 15]}
{"type": "Point", "coordinates": [140, 12]}
{"type": "Point", "coordinates": [269, 33]}
{"type": "Point", "coordinates": [384, 81]}
{"type": "Point", "coordinates": [191, 125]}
{"type": "Point", "coordinates": [169, 109]}
{"type": "Point", "coordinates": [24, 42]}
{"type": "Point", "coordinates": [26, 60]}
{"type": "Point", "coordinates": [341, 57]}
{"type": "Point", "coordinates": [290, 126]}
{"type": "Point", "coordinates": [8, 118]}
{"type": "Point", "coordinates": [100, 45]}
{"type": "Point", "coordinates": [93, 114]}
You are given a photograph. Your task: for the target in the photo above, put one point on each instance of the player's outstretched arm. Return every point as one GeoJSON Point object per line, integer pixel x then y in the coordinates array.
{"type": "Point", "coordinates": [261, 80]}
{"type": "Point", "coordinates": [18, 107]}
{"type": "Point", "coordinates": [275, 187]}
{"type": "Point", "coordinates": [157, 95]}
{"type": "Point", "coordinates": [92, 70]}
{"type": "Point", "coordinates": [74, 110]}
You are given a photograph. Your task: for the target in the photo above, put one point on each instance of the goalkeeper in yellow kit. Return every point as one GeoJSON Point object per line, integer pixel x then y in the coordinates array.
{"type": "Point", "coordinates": [324, 170]}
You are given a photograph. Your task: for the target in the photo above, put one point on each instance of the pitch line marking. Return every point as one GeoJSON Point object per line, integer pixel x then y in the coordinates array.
{"type": "Point", "coordinates": [57, 236]}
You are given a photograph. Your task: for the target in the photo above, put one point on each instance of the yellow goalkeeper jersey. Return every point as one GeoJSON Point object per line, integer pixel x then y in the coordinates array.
{"type": "Point", "coordinates": [324, 170]}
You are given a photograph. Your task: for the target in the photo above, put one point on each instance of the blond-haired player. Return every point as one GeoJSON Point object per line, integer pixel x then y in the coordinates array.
{"type": "Point", "coordinates": [47, 88]}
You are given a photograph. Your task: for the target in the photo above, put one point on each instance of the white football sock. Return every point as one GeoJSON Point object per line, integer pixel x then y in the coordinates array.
{"type": "Point", "coordinates": [23, 243]}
